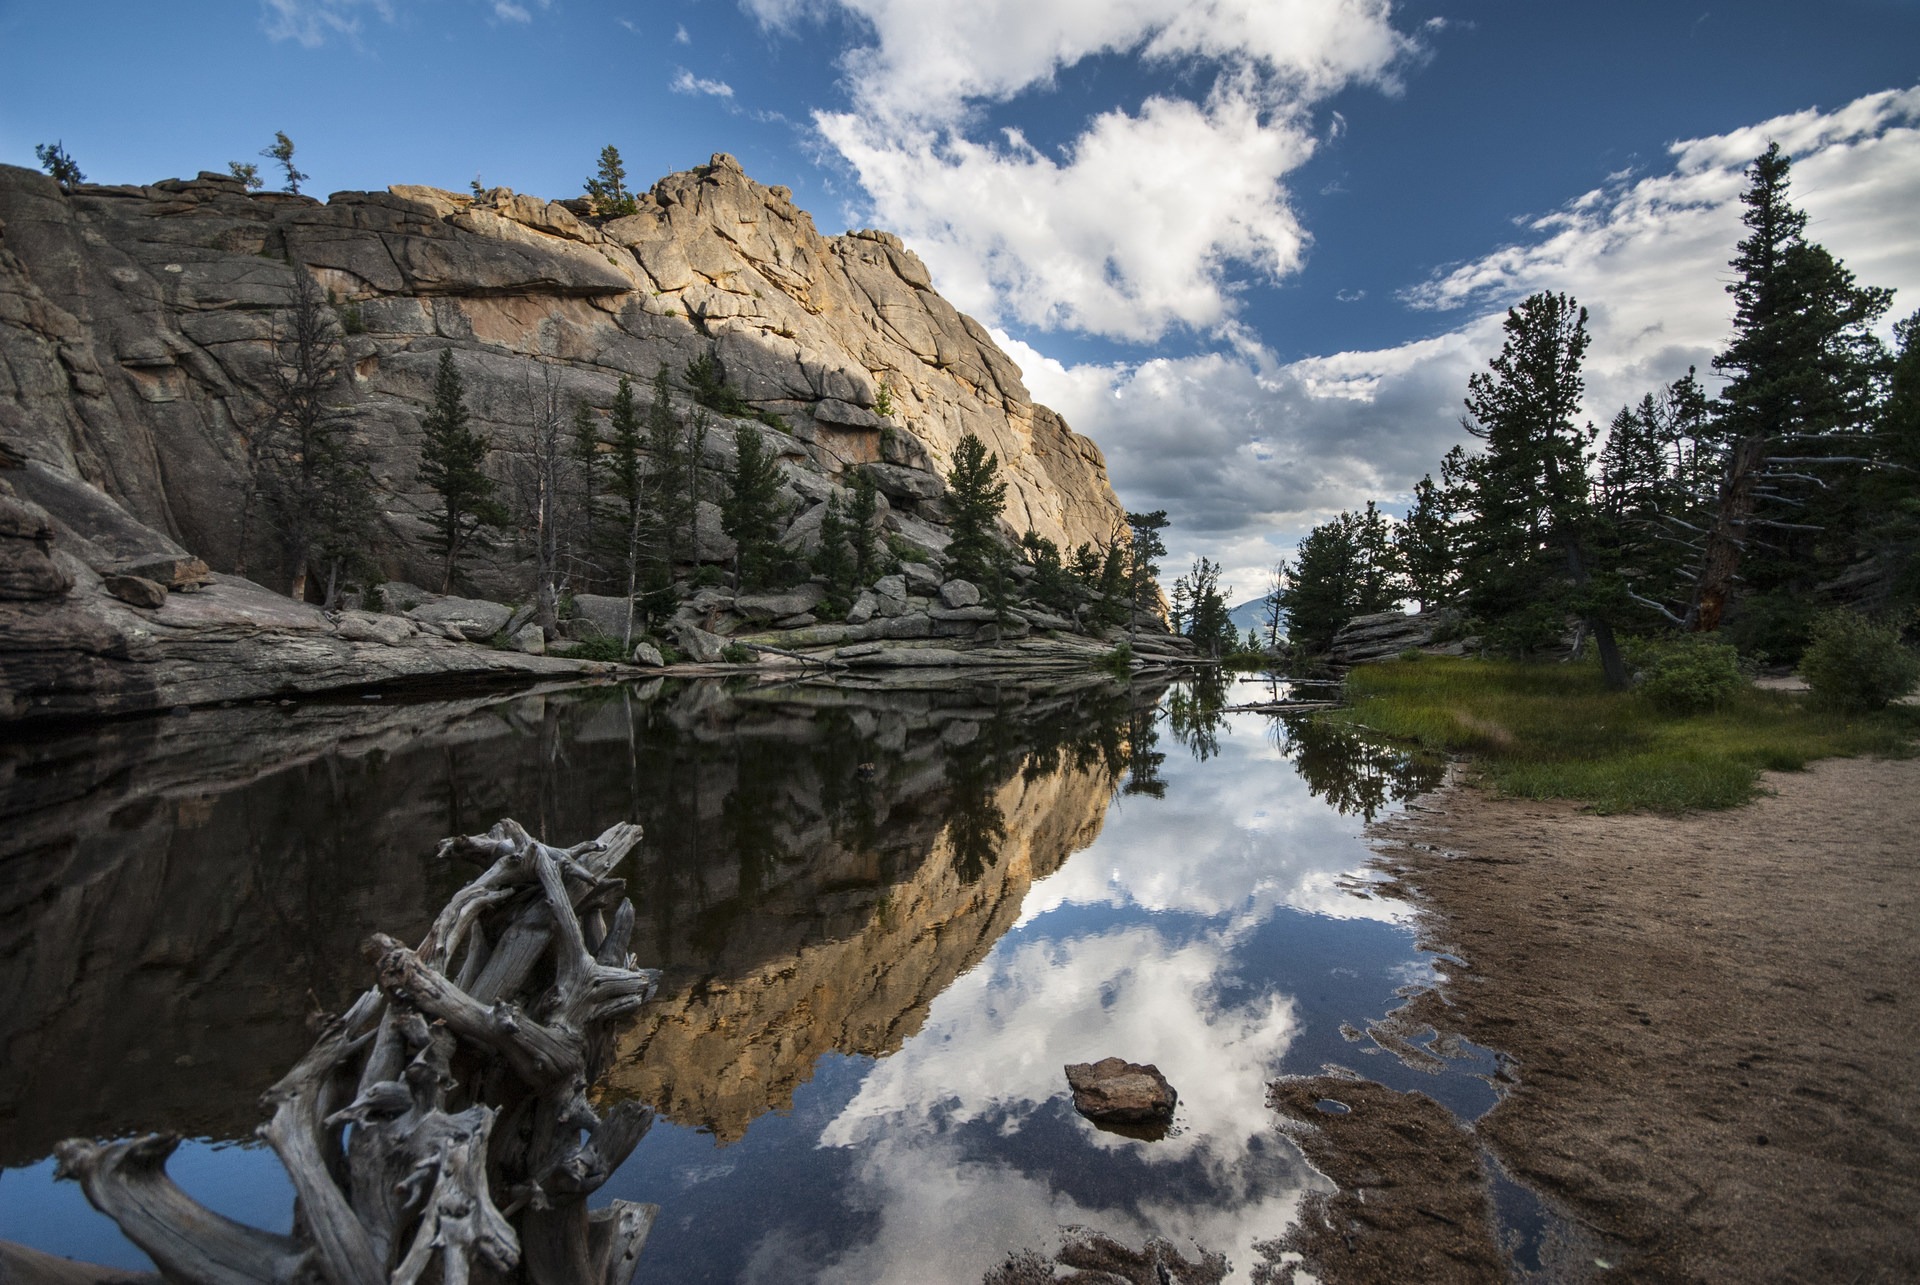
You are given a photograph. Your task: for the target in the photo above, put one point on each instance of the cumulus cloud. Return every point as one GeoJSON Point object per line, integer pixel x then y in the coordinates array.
{"type": "Point", "coordinates": [1246, 452]}
{"type": "Point", "coordinates": [685, 82]}
{"type": "Point", "coordinates": [1133, 228]}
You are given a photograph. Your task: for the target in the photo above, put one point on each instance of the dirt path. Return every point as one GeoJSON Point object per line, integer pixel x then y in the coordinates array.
{"type": "Point", "coordinates": [1714, 1019]}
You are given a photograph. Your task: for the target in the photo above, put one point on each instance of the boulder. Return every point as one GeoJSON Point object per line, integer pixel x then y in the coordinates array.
{"type": "Point", "coordinates": [399, 597]}
{"type": "Point", "coordinates": [920, 577]}
{"type": "Point", "coordinates": [649, 655]}
{"type": "Point", "coordinates": [136, 590]}
{"type": "Point", "coordinates": [530, 640]}
{"type": "Point", "coordinates": [801, 599]}
{"type": "Point", "coordinates": [1386, 634]}
{"type": "Point", "coordinates": [864, 607]}
{"type": "Point", "coordinates": [474, 619]}
{"type": "Point", "coordinates": [1115, 1091]}
{"type": "Point", "coordinates": [890, 595]}
{"type": "Point", "coordinates": [604, 615]}
{"type": "Point", "coordinates": [368, 626]}
{"type": "Point", "coordinates": [959, 593]}
{"type": "Point", "coordinates": [906, 485]}
{"type": "Point", "coordinates": [698, 644]}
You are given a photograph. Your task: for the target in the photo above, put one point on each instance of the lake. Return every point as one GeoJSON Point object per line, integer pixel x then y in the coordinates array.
{"type": "Point", "coordinates": [887, 917]}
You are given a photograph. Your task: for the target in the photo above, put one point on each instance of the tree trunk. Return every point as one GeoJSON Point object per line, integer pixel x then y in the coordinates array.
{"type": "Point", "coordinates": [1720, 565]}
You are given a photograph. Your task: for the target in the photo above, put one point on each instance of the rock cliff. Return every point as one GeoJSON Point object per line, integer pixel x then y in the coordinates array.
{"type": "Point", "coordinates": [137, 329]}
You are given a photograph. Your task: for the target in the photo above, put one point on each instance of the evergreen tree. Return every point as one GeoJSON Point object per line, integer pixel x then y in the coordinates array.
{"type": "Point", "coordinates": [248, 173]}
{"type": "Point", "coordinates": [1143, 546]}
{"type": "Point", "coordinates": [281, 153]}
{"type": "Point", "coordinates": [1423, 545]}
{"type": "Point", "coordinates": [1208, 622]}
{"type": "Point", "coordinates": [1052, 583]}
{"type": "Point", "coordinates": [1799, 394]}
{"type": "Point", "coordinates": [834, 558]}
{"type": "Point", "coordinates": [57, 163]}
{"type": "Point", "coordinates": [451, 460]}
{"type": "Point", "coordinates": [1892, 490]}
{"type": "Point", "coordinates": [1530, 530]}
{"type": "Point", "coordinates": [975, 498]}
{"type": "Point", "coordinates": [750, 512]}
{"type": "Point", "coordinates": [309, 465]}
{"type": "Point", "coordinates": [607, 189]}
{"type": "Point", "coordinates": [863, 517]}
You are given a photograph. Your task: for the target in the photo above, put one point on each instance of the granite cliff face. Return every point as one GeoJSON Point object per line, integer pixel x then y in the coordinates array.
{"type": "Point", "coordinates": [137, 331]}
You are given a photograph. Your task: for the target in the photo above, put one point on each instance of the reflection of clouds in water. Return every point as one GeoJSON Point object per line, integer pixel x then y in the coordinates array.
{"type": "Point", "coordinates": [992, 1055]}
{"type": "Point", "coordinates": [926, 1190]}
{"type": "Point", "coordinates": [995, 1043]}
{"type": "Point", "coordinates": [1239, 836]}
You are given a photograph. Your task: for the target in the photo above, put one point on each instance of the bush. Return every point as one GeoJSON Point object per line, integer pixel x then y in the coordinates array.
{"type": "Point", "coordinates": [1692, 674]}
{"type": "Point", "coordinates": [709, 576]}
{"type": "Point", "coordinates": [603, 648]}
{"type": "Point", "coordinates": [735, 654]}
{"type": "Point", "coordinates": [1854, 663]}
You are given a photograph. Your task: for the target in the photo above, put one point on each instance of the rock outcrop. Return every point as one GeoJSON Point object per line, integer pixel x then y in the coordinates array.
{"type": "Point", "coordinates": [1386, 634]}
{"type": "Point", "coordinates": [138, 328]}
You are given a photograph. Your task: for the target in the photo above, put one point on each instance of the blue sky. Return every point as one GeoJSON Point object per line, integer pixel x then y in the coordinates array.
{"type": "Point", "coordinates": [1251, 247]}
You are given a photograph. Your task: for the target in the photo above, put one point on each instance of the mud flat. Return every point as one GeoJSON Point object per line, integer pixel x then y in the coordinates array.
{"type": "Point", "coordinates": [1712, 1020]}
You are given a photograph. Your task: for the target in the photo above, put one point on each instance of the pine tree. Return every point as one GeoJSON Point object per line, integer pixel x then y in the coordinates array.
{"type": "Point", "coordinates": [1530, 537]}
{"type": "Point", "coordinates": [834, 559]}
{"type": "Point", "coordinates": [585, 450]}
{"type": "Point", "coordinates": [315, 478]}
{"type": "Point", "coordinates": [863, 519]}
{"type": "Point", "coordinates": [1423, 544]}
{"type": "Point", "coordinates": [975, 498]}
{"type": "Point", "coordinates": [1143, 546]}
{"type": "Point", "coordinates": [661, 493]}
{"type": "Point", "coordinates": [57, 163]}
{"type": "Point", "coordinates": [452, 456]}
{"type": "Point", "coordinates": [281, 153]}
{"type": "Point", "coordinates": [1799, 393]}
{"type": "Point", "coordinates": [750, 512]}
{"type": "Point", "coordinates": [607, 189]}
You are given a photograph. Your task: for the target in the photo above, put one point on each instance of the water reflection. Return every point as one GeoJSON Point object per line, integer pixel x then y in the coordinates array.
{"type": "Point", "coordinates": [1354, 774]}
{"type": "Point", "coordinates": [887, 919]}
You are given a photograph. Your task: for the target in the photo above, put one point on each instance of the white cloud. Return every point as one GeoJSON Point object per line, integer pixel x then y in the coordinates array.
{"type": "Point", "coordinates": [1246, 453]}
{"type": "Point", "coordinates": [312, 22]}
{"type": "Point", "coordinates": [1133, 228]}
{"type": "Point", "coordinates": [680, 36]}
{"type": "Point", "coordinates": [685, 82]}
{"type": "Point", "coordinates": [507, 11]}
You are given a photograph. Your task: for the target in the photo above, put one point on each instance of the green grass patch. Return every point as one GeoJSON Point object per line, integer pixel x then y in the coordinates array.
{"type": "Point", "coordinates": [1555, 732]}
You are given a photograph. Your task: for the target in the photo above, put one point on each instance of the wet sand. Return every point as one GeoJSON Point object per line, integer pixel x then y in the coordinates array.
{"type": "Point", "coordinates": [1713, 1020]}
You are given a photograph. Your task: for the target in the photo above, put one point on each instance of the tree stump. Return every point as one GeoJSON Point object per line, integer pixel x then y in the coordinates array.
{"type": "Point", "coordinates": [440, 1130]}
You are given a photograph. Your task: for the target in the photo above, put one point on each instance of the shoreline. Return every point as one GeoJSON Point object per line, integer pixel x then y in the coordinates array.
{"type": "Point", "coordinates": [1709, 1023]}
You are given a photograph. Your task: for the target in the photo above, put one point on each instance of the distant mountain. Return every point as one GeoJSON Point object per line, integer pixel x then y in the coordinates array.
{"type": "Point", "coordinates": [1249, 615]}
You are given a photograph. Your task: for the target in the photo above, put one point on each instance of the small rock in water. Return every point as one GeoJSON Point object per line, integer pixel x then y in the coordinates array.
{"type": "Point", "coordinates": [1115, 1091]}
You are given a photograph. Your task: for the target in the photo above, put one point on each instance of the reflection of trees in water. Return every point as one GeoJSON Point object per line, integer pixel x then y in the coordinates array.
{"type": "Point", "coordinates": [1194, 712]}
{"type": "Point", "coordinates": [1353, 774]}
{"type": "Point", "coordinates": [1092, 732]}
{"type": "Point", "coordinates": [1143, 758]}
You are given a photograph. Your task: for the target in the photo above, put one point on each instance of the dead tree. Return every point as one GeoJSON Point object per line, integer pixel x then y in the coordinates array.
{"type": "Point", "coordinates": [440, 1129]}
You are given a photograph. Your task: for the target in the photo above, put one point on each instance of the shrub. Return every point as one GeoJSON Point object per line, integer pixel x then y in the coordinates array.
{"type": "Point", "coordinates": [735, 654]}
{"type": "Point", "coordinates": [373, 598]}
{"type": "Point", "coordinates": [709, 576]}
{"type": "Point", "coordinates": [1692, 674]}
{"type": "Point", "coordinates": [603, 648]}
{"type": "Point", "coordinates": [1854, 663]}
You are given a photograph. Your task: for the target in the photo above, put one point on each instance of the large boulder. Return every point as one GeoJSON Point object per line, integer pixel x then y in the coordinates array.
{"type": "Point", "coordinates": [604, 615]}
{"type": "Point", "coordinates": [1386, 634]}
{"type": "Point", "coordinates": [779, 605]}
{"type": "Point", "coordinates": [474, 619]}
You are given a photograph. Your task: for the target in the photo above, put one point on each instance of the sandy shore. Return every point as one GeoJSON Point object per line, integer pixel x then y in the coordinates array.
{"type": "Point", "coordinates": [1714, 1027]}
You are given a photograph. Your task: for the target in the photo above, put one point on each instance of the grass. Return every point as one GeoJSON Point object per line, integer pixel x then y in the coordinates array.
{"type": "Point", "coordinates": [1555, 732]}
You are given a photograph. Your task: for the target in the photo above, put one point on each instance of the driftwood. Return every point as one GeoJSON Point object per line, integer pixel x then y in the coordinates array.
{"type": "Point", "coordinates": [440, 1129]}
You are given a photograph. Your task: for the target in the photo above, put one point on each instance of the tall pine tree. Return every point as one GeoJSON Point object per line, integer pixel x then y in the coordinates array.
{"type": "Point", "coordinates": [451, 460]}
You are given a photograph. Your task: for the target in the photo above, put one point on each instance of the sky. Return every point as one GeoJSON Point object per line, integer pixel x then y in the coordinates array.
{"type": "Point", "coordinates": [1253, 248]}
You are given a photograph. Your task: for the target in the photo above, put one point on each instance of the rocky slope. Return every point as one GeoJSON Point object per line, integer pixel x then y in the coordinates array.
{"type": "Point", "coordinates": [142, 335]}
{"type": "Point", "coordinates": [137, 328]}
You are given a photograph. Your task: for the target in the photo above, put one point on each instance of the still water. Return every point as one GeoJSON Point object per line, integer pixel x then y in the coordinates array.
{"type": "Point", "coordinates": [887, 919]}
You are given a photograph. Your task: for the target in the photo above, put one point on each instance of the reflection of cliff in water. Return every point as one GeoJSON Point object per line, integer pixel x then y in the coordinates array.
{"type": "Point", "coordinates": [909, 838]}
{"type": "Point", "coordinates": [177, 894]}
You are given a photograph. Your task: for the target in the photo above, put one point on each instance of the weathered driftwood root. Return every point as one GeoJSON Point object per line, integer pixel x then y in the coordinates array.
{"type": "Point", "coordinates": [440, 1128]}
